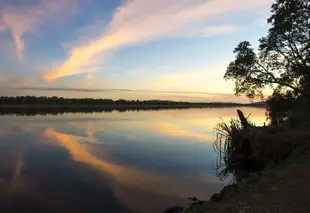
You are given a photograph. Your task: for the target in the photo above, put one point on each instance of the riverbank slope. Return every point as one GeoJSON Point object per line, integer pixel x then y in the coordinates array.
{"type": "Point", "coordinates": [282, 188]}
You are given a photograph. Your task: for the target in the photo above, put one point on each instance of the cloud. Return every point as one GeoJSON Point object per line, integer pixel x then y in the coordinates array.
{"type": "Point", "coordinates": [139, 21]}
{"type": "Point", "coordinates": [2, 26]}
{"type": "Point", "coordinates": [177, 131]}
{"type": "Point", "coordinates": [10, 81]}
{"type": "Point", "coordinates": [89, 127]}
{"type": "Point", "coordinates": [181, 95]}
{"type": "Point", "coordinates": [135, 179]}
{"type": "Point", "coordinates": [26, 18]}
{"type": "Point", "coordinates": [183, 78]}
{"type": "Point", "coordinates": [176, 80]}
{"type": "Point", "coordinates": [90, 78]}
{"type": "Point", "coordinates": [216, 30]}
{"type": "Point", "coordinates": [18, 167]}
{"type": "Point", "coordinates": [25, 84]}
{"type": "Point", "coordinates": [4, 132]}
{"type": "Point", "coordinates": [66, 89]}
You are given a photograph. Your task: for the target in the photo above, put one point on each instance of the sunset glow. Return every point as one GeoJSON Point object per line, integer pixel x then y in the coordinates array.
{"type": "Point", "coordinates": [139, 49]}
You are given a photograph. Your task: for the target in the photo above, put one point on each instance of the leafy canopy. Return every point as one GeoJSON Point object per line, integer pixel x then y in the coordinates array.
{"type": "Point", "coordinates": [283, 58]}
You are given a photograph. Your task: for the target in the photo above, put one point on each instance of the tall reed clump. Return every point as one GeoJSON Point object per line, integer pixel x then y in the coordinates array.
{"type": "Point", "coordinates": [245, 148]}
{"type": "Point", "coordinates": [233, 144]}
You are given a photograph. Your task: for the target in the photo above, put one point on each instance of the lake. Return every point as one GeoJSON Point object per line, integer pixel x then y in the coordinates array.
{"type": "Point", "coordinates": [114, 162]}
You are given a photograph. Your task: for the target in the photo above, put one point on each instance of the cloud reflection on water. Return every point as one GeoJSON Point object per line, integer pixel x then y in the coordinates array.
{"type": "Point", "coordinates": [125, 178]}
{"type": "Point", "coordinates": [146, 161]}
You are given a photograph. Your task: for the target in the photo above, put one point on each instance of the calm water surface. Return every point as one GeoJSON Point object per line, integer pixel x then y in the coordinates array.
{"type": "Point", "coordinates": [113, 162]}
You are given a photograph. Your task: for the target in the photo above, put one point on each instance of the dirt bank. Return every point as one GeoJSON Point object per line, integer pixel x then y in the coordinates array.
{"type": "Point", "coordinates": [283, 188]}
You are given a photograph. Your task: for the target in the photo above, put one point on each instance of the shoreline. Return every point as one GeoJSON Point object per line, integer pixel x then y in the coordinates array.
{"type": "Point", "coordinates": [277, 188]}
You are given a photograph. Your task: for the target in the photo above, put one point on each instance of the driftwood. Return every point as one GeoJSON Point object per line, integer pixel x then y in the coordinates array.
{"type": "Point", "coordinates": [243, 120]}
{"type": "Point", "coordinates": [266, 144]}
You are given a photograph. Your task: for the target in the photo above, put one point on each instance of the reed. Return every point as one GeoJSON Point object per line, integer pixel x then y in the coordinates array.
{"type": "Point", "coordinates": [232, 143]}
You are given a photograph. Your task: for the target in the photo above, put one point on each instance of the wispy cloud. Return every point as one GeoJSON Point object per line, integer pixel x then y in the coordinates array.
{"type": "Point", "coordinates": [217, 30]}
{"type": "Point", "coordinates": [169, 81]}
{"type": "Point", "coordinates": [26, 18]}
{"type": "Point", "coordinates": [139, 21]}
{"type": "Point", "coordinates": [10, 81]}
{"type": "Point", "coordinates": [178, 131]}
{"type": "Point", "coordinates": [183, 78]}
{"type": "Point", "coordinates": [2, 26]}
{"type": "Point", "coordinates": [181, 95]}
{"type": "Point", "coordinates": [66, 89]}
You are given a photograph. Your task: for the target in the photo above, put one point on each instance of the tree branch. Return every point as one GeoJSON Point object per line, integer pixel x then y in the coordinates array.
{"type": "Point", "coordinates": [276, 81]}
{"type": "Point", "coordinates": [294, 48]}
{"type": "Point", "coordinates": [287, 58]}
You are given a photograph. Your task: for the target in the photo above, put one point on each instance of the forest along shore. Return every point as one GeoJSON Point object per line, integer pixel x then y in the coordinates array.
{"type": "Point", "coordinates": [172, 106]}
{"type": "Point", "coordinates": [30, 105]}
{"type": "Point", "coordinates": [57, 102]}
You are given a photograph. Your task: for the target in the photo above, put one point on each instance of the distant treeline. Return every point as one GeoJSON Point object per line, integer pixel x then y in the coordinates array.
{"type": "Point", "coordinates": [59, 101]}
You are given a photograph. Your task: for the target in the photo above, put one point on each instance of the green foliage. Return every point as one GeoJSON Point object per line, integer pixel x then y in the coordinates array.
{"type": "Point", "coordinates": [283, 59]}
{"type": "Point", "coordinates": [288, 107]}
{"type": "Point", "coordinates": [279, 106]}
{"type": "Point", "coordinates": [249, 77]}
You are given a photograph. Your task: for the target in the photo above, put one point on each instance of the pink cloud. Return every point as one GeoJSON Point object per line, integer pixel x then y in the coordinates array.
{"type": "Point", "coordinates": [22, 19]}
{"type": "Point", "coordinates": [2, 26]}
{"type": "Point", "coordinates": [139, 21]}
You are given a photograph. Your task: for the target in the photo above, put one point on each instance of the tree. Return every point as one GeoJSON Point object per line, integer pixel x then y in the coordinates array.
{"type": "Point", "coordinates": [279, 104]}
{"type": "Point", "coordinates": [283, 58]}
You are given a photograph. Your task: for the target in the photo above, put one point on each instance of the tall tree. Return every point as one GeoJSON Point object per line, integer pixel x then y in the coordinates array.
{"type": "Point", "coordinates": [283, 58]}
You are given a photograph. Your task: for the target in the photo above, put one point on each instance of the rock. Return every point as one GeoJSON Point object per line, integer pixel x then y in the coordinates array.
{"type": "Point", "coordinates": [225, 193]}
{"type": "Point", "coordinates": [228, 191]}
{"type": "Point", "coordinates": [196, 207]}
{"type": "Point", "coordinates": [273, 189]}
{"type": "Point", "coordinates": [217, 197]}
{"type": "Point", "coordinates": [195, 199]}
{"type": "Point", "coordinates": [242, 203]}
{"type": "Point", "coordinates": [175, 209]}
{"type": "Point", "coordinates": [241, 157]}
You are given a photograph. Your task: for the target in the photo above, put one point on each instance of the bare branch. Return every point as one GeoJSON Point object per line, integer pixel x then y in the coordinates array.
{"type": "Point", "coordinates": [295, 50]}
{"type": "Point", "coordinates": [276, 81]}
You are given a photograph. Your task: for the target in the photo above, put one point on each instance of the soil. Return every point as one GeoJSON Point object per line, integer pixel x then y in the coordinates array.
{"type": "Point", "coordinates": [282, 189]}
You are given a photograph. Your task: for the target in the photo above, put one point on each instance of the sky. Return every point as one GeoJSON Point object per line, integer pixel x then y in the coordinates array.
{"type": "Point", "coordinates": [130, 49]}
